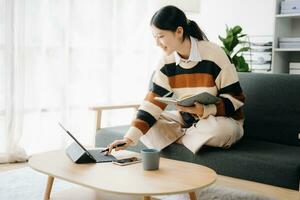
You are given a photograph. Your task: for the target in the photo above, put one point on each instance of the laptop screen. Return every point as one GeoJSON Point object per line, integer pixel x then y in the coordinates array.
{"type": "Point", "coordinates": [87, 152]}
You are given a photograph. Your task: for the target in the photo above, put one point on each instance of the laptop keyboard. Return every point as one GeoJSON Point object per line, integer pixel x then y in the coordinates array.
{"type": "Point", "coordinates": [101, 157]}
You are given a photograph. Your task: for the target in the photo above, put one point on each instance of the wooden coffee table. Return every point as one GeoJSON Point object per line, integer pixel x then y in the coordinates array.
{"type": "Point", "coordinates": [173, 177]}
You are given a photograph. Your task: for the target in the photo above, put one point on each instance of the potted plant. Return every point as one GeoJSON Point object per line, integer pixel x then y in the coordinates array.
{"type": "Point", "coordinates": [232, 39]}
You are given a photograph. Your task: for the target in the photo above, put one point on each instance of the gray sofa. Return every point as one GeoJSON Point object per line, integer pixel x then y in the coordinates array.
{"type": "Point", "coordinates": [268, 153]}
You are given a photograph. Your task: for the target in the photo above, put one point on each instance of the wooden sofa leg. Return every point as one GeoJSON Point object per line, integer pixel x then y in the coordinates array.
{"type": "Point", "coordinates": [98, 120]}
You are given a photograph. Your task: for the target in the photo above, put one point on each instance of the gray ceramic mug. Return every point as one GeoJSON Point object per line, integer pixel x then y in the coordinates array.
{"type": "Point", "coordinates": [150, 159]}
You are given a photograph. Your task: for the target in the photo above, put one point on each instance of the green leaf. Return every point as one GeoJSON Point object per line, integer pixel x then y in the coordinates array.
{"type": "Point", "coordinates": [222, 39]}
{"type": "Point", "coordinates": [228, 43]}
{"type": "Point", "coordinates": [242, 50]}
{"type": "Point", "coordinates": [240, 64]}
{"type": "Point", "coordinates": [227, 29]}
{"type": "Point", "coordinates": [236, 30]}
{"type": "Point", "coordinates": [233, 44]}
{"type": "Point", "coordinates": [242, 35]}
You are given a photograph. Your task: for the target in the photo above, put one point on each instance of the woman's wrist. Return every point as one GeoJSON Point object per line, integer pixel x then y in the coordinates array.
{"type": "Point", "coordinates": [200, 109]}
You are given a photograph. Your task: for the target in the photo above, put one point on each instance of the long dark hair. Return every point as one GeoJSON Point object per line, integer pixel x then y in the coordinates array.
{"type": "Point", "coordinates": [170, 18]}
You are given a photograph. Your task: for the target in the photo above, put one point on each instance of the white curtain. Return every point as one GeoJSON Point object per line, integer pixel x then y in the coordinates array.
{"type": "Point", "coordinates": [12, 81]}
{"type": "Point", "coordinates": [58, 58]}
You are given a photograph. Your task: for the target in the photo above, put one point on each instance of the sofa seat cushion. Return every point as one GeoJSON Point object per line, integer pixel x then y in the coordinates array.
{"type": "Point", "coordinates": [254, 160]}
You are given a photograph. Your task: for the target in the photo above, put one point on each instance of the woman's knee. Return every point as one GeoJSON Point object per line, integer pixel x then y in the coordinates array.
{"type": "Point", "coordinates": [225, 133]}
{"type": "Point", "coordinates": [220, 139]}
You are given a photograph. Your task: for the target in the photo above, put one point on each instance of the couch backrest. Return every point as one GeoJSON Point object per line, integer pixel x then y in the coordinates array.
{"type": "Point", "coordinates": [272, 108]}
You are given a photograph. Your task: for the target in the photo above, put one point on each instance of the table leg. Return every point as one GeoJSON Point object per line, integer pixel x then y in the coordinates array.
{"type": "Point", "coordinates": [192, 196]}
{"type": "Point", "coordinates": [147, 198]}
{"type": "Point", "coordinates": [48, 187]}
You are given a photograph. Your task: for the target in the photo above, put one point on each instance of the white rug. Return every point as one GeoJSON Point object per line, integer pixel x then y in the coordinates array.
{"type": "Point", "coordinates": [25, 183]}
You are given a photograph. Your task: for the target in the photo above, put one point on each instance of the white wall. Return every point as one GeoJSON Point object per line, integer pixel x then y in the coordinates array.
{"type": "Point", "coordinates": [256, 17]}
{"type": "Point", "coordinates": [186, 5]}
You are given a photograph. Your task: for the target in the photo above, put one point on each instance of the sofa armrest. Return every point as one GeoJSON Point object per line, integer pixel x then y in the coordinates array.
{"type": "Point", "coordinates": [99, 109]}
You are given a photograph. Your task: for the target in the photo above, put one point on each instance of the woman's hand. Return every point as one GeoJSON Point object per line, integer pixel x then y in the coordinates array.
{"type": "Point", "coordinates": [197, 109]}
{"type": "Point", "coordinates": [117, 142]}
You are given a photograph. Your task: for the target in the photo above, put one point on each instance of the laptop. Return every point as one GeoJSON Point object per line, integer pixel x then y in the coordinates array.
{"type": "Point", "coordinates": [95, 154]}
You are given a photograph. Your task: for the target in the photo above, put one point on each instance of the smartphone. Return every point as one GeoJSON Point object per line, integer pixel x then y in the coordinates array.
{"type": "Point", "coordinates": [127, 161]}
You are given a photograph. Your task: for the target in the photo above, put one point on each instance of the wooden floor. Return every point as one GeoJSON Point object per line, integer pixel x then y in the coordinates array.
{"type": "Point", "coordinates": [6, 167]}
{"type": "Point", "coordinates": [267, 190]}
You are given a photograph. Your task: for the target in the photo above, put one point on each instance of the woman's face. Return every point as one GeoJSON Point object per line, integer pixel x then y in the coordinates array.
{"type": "Point", "coordinates": [168, 41]}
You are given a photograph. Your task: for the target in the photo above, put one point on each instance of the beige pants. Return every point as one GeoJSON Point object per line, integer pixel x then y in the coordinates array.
{"type": "Point", "coordinates": [213, 131]}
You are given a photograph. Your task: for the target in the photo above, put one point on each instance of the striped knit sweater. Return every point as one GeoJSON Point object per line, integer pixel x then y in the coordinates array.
{"type": "Point", "coordinates": [214, 74]}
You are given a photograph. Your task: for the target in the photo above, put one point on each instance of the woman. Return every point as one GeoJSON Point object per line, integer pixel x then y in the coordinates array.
{"type": "Point", "coordinates": [191, 65]}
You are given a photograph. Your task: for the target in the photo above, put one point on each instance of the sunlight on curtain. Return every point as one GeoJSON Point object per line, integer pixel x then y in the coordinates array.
{"type": "Point", "coordinates": [77, 54]}
{"type": "Point", "coordinates": [81, 53]}
{"type": "Point", "coordinates": [2, 107]}
{"type": "Point", "coordinates": [13, 49]}
{"type": "Point", "coordinates": [2, 129]}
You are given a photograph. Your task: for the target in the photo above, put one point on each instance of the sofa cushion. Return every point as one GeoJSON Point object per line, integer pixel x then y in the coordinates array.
{"type": "Point", "coordinates": [272, 108]}
{"type": "Point", "coordinates": [254, 160]}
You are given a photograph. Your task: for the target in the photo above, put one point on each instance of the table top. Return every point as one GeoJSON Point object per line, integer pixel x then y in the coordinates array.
{"type": "Point", "coordinates": [173, 176]}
